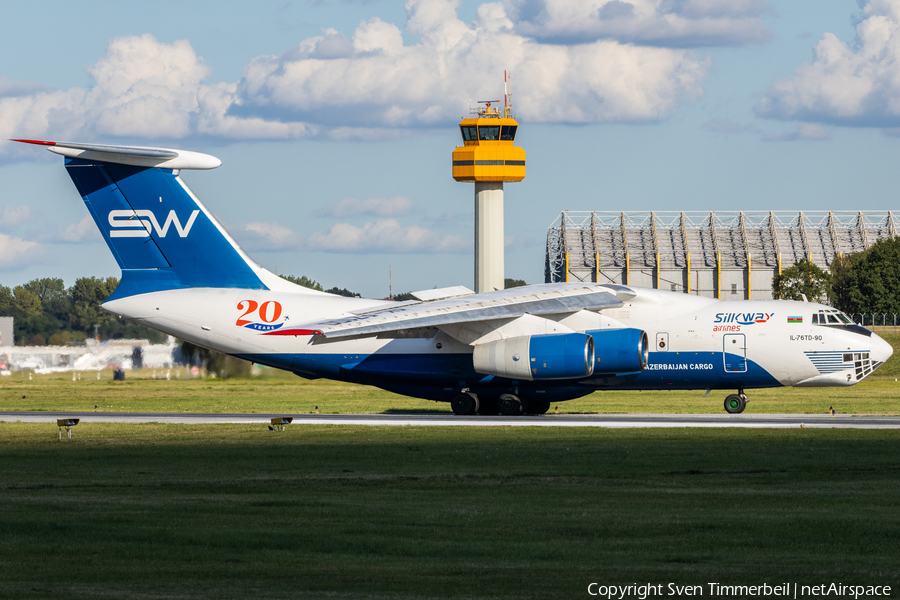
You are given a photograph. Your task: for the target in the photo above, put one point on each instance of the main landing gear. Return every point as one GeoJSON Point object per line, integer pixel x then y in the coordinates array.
{"type": "Point", "coordinates": [468, 403]}
{"type": "Point", "coordinates": [736, 403]}
{"type": "Point", "coordinates": [465, 403]}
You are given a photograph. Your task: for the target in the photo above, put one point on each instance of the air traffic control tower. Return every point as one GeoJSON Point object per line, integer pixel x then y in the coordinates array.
{"type": "Point", "coordinates": [488, 158]}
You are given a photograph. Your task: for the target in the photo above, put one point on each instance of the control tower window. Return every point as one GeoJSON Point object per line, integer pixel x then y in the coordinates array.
{"type": "Point", "coordinates": [469, 133]}
{"type": "Point", "coordinates": [489, 132]}
{"type": "Point", "coordinates": [508, 133]}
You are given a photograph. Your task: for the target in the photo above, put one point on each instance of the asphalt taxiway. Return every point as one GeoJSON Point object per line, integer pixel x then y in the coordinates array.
{"type": "Point", "coordinates": [448, 419]}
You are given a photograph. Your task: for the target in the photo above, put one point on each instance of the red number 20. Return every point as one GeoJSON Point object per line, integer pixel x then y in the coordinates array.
{"type": "Point", "coordinates": [268, 311]}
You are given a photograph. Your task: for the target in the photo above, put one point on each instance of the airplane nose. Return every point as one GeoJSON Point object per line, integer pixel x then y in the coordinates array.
{"type": "Point", "coordinates": [881, 350]}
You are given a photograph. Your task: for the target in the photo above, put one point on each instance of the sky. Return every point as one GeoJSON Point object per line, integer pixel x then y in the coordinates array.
{"type": "Point", "coordinates": [336, 120]}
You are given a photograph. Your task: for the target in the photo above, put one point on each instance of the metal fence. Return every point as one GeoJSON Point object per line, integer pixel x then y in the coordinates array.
{"type": "Point", "coordinates": [879, 323]}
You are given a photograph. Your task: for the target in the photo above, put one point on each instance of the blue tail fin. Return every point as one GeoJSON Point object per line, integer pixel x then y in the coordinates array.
{"type": "Point", "coordinates": [159, 232]}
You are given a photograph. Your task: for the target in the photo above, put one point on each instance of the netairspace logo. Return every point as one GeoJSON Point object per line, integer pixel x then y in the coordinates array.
{"type": "Point", "coordinates": [719, 590]}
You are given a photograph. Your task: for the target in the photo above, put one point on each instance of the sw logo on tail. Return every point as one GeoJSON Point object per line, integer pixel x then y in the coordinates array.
{"type": "Point", "coordinates": [138, 223]}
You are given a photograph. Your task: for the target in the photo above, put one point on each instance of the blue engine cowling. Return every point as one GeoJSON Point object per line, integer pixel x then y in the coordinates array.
{"type": "Point", "coordinates": [537, 357]}
{"type": "Point", "coordinates": [619, 350]}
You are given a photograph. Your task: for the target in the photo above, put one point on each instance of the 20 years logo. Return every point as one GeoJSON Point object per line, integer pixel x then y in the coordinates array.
{"type": "Point", "coordinates": [260, 317]}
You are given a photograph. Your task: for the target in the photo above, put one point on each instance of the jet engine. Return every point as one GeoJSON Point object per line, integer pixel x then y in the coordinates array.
{"type": "Point", "coordinates": [531, 357]}
{"type": "Point", "coordinates": [620, 350]}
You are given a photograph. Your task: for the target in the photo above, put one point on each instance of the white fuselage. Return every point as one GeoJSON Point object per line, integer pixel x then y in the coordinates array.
{"type": "Point", "coordinates": [695, 342]}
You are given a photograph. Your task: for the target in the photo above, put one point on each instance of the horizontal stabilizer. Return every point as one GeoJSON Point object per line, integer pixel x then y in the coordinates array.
{"type": "Point", "coordinates": [138, 156]}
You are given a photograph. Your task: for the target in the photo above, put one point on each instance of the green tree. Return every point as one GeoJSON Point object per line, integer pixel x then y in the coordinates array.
{"type": "Point", "coordinates": [87, 294]}
{"type": "Point", "coordinates": [405, 296]}
{"type": "Point", "coordinates": [873, 284]}
{"type": "Point", "coordinates": [53, 294]}
{"type": "Point", "coordinates": [47, 288]}
{"type": "Point", "coordinates": [27, 304]}
{"type": "Point", "coordinates": [342, 292]}
{"type": "Point", "coordinates": [512, 283]}
{"type": "Point", "coordinates": [7, 301]}
{"type": "Point", "coordinates": [304, 281]}
{"type": "Point", "coordinates": [803, 278]}
{"type": "Point", "coordinates": [840, 269]}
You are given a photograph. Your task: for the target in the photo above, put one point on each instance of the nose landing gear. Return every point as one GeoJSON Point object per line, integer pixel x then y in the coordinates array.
{"type": "Point", "coordinates": [736, 403]}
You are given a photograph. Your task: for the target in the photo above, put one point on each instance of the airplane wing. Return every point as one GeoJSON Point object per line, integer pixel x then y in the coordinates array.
{"type": "Point", "coordinates": [538, 300]}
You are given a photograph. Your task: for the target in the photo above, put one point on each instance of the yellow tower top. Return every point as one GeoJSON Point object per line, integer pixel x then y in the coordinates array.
{"type": "Point", "coordinates": [488, 153]}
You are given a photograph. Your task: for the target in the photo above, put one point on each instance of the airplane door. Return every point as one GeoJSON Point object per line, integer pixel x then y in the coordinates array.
{"type": "Point", "coordinates": [735, 352]}
{"type": "Point", "coordinates": [662, 342]}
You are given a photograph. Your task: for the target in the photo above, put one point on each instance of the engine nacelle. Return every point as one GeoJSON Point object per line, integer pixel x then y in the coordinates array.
{"type": "Point", "coordinates": [530, 357]}
{"type": "Point", "coordinates": [620, 350]}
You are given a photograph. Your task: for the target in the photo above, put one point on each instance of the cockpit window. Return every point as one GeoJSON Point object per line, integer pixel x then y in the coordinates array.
{"type": "Point", "coordinates": [833, 317]}
{"type": "Point", "coordinates": [469, 133]}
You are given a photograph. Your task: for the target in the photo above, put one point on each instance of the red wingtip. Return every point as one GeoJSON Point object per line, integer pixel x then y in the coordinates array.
{"type": "Point", "coordinates": [38, 142]}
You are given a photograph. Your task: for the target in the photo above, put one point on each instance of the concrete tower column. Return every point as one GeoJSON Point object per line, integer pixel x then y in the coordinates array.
{"type": "Point", "coordinates": [488, 236]}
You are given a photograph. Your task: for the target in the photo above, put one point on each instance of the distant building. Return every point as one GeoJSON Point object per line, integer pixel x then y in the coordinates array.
{"type": "Point", "coordinates": [6, 332]}
{"type": "Point", "coordinates": [727, 255]}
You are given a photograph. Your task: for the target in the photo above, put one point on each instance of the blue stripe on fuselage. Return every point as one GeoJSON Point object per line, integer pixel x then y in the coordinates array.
{"type": "Point", "coordinates": [440, 376]}
{"type": "Point", "coordinates": [698, 370]}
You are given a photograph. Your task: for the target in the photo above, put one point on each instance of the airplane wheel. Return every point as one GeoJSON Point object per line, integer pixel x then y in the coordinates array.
{"type": "Point", "coordinates": [464, 404]}
{"type": "Point", "coordinates": [510, 405]}
{"type": "Point", "coordinates": [488, 406]}
{"type": "Point", "coordinates": [537, 407]}
{"type": "Point", "coordinates": [735, 404]}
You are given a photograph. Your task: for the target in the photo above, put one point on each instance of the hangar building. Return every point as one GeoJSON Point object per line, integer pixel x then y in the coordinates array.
{"type": "Point", "coordinates": [726, 255]}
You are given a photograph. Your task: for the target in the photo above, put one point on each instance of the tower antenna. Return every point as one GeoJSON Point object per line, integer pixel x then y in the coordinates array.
{"type": "Point", "coordinates": [505, 96]}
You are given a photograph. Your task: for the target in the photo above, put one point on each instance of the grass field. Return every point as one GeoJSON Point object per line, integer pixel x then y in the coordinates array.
{"type": "Point", "coordinates": [227, 511]}
{"type": "Point", "coordinates": [274, 391]}
{"type": "Point", "coordinates": [234, 511]}
{"type": "Point", "coordinates": [278, 392]}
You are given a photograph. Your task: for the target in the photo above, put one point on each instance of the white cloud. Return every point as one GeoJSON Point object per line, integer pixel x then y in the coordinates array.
{"type": "Point", "coordinates": [12, 215]}
{"type": "Point", "coordinates": [394, 206]}
{"type": "Point", "coordinates": [17, 252]}
{"type": "Point", "coordinates": [857, 86]}
{"type": "Point", "coordinates": [84, 230]}
{"type": "Point", "coordinates": [811, 132]}
{"type": "Point", "coordinates": [670, 23]}
{"type": "Point", "coordinates": [145, 88]}
{"type": "Point", "coordinates": [142, 88]}
{"type": "Point", "coordinates": [388, 236]}
{"type": "Point", "coordinates": [366, 85]}
{"type": "Point", "coordinates": [264, 236]}
{"type": "Point", "coordinates": [383, 83]}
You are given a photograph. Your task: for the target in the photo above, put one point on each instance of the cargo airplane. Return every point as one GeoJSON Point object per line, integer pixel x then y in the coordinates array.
{"type": "Point", "coordinates": [510, 351]}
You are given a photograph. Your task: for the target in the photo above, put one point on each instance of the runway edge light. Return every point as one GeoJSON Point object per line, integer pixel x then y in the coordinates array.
{"type": "Point", "coordinates": [68, 424]}
{"type": "Point", "coordinates": [280, 422]}
{"type": "Point", "coordinates": [488, 158]}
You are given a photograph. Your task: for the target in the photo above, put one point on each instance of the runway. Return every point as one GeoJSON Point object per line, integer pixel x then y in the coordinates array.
{"type": "Point", "coordinates": [782, 421]}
